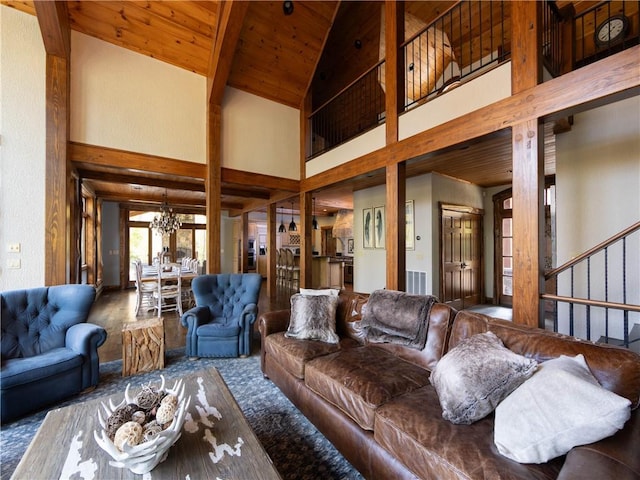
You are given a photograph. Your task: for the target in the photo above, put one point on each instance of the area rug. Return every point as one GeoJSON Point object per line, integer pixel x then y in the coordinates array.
{"type": "Point", "coordinates": [298, 450]}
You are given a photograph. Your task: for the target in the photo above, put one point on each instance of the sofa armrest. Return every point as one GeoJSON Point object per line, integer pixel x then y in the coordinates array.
{"type": "Point", "coordinates": [273, 322]}
{"type": "Point", "coordinates": [85, 338]}
{"type": "Point", "coordinates": [613, 457]}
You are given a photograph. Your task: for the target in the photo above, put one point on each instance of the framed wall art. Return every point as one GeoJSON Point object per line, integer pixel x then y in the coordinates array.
{"type": "Point", "coordinates": [367, 228]}
{"type": "Point", "coordinates": [410, 231]}
{"type": "Point", "coordinates": [378, 227]}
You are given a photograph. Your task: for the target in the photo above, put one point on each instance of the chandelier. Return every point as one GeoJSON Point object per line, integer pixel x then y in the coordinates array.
{"type": "Point", "coordinates": [168, 222]}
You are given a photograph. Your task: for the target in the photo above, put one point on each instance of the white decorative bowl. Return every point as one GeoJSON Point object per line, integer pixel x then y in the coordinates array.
{"type": "Point", "coordinates": [144, 457]}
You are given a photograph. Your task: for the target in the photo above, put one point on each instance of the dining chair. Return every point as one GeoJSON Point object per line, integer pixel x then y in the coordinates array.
{"type": "Point", "coordinates": [187, 293]}
{"type": "Point", "coordinates": [144, 290]}
{"type": "Point", "coordinates": [168, 296]}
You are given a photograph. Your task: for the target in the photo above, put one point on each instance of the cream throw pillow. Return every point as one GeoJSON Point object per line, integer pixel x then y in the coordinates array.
{"type": "Point", "coordinates": [313, 317]}
{"type": "Point", "coordinates": [475, 375]}
{"type": "Point", "coordinates": [558, 408]}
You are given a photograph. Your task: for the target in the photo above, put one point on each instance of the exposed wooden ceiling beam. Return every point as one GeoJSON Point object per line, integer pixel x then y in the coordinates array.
{"type": "Point", "coordinates": [132, 161]}
{"type": "Point", "coordinates": [140, 180]}
{"type": "Point", "coordinates": [53, 19]}
{"type": "Point", "coordinates": [240, 177]}
{"type": "Point", "coordinates": [145, 197]}
{"type": "Point", "coordinates": [230, 19]}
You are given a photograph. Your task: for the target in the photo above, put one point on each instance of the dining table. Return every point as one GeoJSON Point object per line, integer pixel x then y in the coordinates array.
{"type": "Point", "coordinates": [150, 272]}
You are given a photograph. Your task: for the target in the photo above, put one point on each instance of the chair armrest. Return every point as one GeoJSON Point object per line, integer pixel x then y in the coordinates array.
{"type": "Point", "coordinates": [196, 317]}
{"type": "Point", "coordinates": [272, 322]}
{"type": "Point", "coordinates": [85, 338]}
{"type": "Point", "coordinates": [248, 315]}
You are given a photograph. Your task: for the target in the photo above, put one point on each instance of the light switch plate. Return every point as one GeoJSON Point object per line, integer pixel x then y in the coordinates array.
{"type": "Point", "coordinates": [13, 263]}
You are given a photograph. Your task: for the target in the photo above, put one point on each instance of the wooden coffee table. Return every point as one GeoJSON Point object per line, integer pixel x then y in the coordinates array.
{"type": "Point", "coordinates": [216, 441]}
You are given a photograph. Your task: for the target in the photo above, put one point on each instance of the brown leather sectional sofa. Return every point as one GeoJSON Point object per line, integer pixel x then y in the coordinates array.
{"type": "Point", "coordinates": [375, 403]}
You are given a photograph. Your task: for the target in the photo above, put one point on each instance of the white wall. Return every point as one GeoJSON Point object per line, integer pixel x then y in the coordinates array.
{"type": "Point", "coordinates": [259, 135]}
{"type": "Point", "coordinates": [426, 191]}
{"type": "Point", "coordinates": [484, 90]}
{"type": "Point", "coordinates": [361, 145]}
{"type": "Point", "coordinates": [598, 195]}
{"type": "Point", "coordinates": [22, 148]}
{"type": "Point", "coordinates": [122, 99]}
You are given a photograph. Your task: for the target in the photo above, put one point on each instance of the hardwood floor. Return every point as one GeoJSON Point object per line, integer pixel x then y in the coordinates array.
{"type": "Point", "coordinates": [116, 307]}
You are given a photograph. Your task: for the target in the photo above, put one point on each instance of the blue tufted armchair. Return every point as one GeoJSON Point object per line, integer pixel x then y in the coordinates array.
{"type": "Point", "coordinates": [49, 352]}
{"type": "Point", "coordinates": [221, 323]}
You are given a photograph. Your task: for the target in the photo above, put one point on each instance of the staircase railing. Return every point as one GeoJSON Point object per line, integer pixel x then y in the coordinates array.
{"type": "Point", "coordinates": [590, 275]}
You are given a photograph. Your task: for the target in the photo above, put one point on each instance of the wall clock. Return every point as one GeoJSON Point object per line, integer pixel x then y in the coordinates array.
{"type": "Point", "coordinates": [612, 30]}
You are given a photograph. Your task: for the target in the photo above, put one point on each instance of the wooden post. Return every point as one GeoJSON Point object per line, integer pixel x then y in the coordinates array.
{"type": "Point", "coordinates": [213, 187]}
{"type": "Point", "coordinates": [395, 237]}
{"type": "Point", "coordinates": [306, 257]}
{"type": "Point", "coordinates": [60, 229]}
{"type": "Point", "coordinates": [394, 36]}
{"type": "Point", "coordinates": [528, 171]}
{"type": "Point", "coordinates": [272, 218]}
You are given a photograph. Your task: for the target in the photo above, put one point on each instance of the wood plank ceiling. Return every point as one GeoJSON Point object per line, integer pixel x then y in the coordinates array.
{"type": "Point", "coordinates": [276, 57]}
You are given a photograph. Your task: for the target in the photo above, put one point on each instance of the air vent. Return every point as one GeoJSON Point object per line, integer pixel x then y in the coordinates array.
{"type": "Point", "coordinates": [416, 282]}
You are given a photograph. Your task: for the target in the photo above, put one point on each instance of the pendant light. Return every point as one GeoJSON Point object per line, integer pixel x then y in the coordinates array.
{"type": "Point", "coordinates": [281, 228]}
{"type": "Point", "coordinates": [314, 222]}
{"type": "Point", "coordinates": [292, 226]}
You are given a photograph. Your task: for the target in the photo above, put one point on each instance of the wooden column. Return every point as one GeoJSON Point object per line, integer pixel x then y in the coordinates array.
{"type": "Point", "coordinates": [528, 171]}
{"type": "Point", "coordinates": [213, 187]}
{"type": "Point", "coordinates": [306, 254]}
{"type": "Point", "coordinates": [227, 31]}
{"type": "Point", "coordinates": [272, 218]}
{"type": "Point", "coordinates": [395, 226]}
{"type": "Point", "coordinates": [244, 244]}
{"type": "Point", "coordinates": [394, 90]}
{"type": "Point", "coordinates": [60, 230]}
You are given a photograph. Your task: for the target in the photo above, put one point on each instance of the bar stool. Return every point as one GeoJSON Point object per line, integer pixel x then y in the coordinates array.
{"type": "Point", "coordinates": [293, 271]}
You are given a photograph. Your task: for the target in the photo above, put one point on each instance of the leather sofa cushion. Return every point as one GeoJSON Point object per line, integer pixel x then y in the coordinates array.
{"type": "Point", "coordinates": [293, 354]}
{"type": "Point", "coordinates": [359, 380]}
{"type": "Point", "coordinates": [411, 428]}
{"type": "Point", "coordinates": [21, 371]}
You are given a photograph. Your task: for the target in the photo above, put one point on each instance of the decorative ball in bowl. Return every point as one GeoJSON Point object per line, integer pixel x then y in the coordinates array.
{"type": "Point", "coordinates": [138, 432]}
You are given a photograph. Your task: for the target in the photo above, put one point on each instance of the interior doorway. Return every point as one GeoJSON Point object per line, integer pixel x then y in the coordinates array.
{"type": "Point", "coordinates": [327, 242]}
{"type": "Point", "coordinates": [461, 256]}
{"type": "Point", "coordinates": [503, 241]}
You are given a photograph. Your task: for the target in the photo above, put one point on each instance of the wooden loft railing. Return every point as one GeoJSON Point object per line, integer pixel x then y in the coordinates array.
{"type": "Point", "coordinates": [608, 262]}
{"type": "Point", "coordinates": [586, 49]}
{"type": "Point", "coordinates": [463, 41]}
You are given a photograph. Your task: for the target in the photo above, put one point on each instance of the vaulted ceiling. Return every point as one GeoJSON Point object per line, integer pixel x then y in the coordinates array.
{"type": "Point", "coordinates": [276, 57]}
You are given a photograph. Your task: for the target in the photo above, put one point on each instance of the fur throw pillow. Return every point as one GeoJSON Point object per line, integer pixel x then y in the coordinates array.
{"type": "Point", "coordinates": [313, 317]}
{"type": "Point", "coordinates": [476, 375]}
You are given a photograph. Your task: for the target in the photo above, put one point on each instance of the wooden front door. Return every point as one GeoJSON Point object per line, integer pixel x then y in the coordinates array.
{"type": "Point", "coordinates": [461, 253]}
